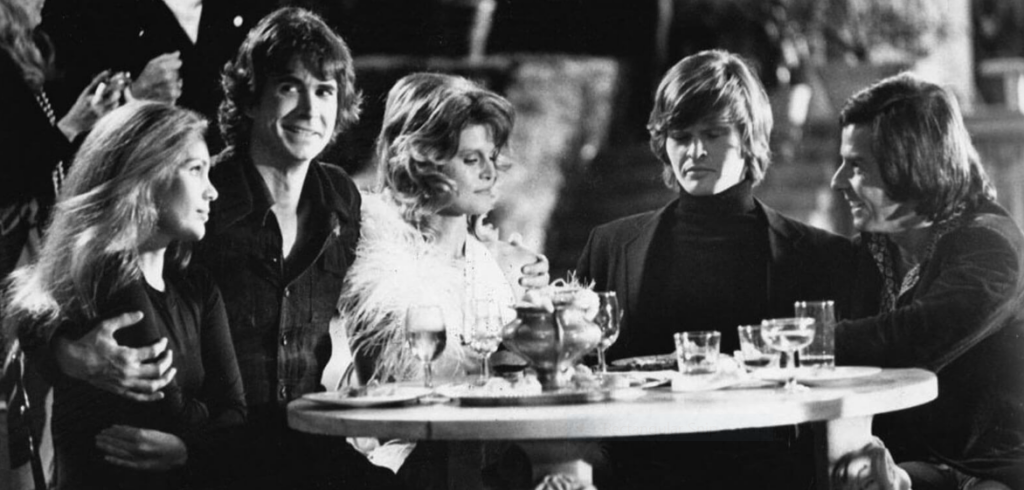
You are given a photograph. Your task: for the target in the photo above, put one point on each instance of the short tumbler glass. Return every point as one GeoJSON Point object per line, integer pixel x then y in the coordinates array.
{"type": "Point", "coordinates": [697, 352]}
{"type": "Point", "coordinates": [754, 352]}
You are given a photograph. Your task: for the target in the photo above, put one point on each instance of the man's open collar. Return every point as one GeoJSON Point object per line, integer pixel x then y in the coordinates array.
{"type": "Point", "coordinates": [243, 192]}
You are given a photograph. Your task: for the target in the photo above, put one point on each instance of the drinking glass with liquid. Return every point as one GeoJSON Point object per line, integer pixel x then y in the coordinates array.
{"type": "Point", "coordinates": [754, 352]}
{"type": "Point", "coordinates": [787, 335]}
{"type": "Point", "coordinates": [697, 352]}
{"type": "Point", "coordinates": [426, 336]}
{"type": "Point", "coordinates": [821, 352]}
{"type": "Point", "coordinates": [607, 319]}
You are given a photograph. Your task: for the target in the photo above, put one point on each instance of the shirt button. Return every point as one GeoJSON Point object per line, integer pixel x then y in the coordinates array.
{"type": "Point", "coordinates": [284, 339]}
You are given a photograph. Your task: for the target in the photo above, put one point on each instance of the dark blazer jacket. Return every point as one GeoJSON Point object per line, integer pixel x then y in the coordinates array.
{"type": "Point", "coordinates": [806, 264]}
{"type": "Point", "coordinates": [964, 320]}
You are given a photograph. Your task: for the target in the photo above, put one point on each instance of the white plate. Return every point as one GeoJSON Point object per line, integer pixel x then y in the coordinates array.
{"type": "Point", "coordinates": [659, 362]}
{"type": "Point", "coordinates": [815, 375]}
{"type": "Point", "coordinates": [398, 395]}
{"type": "Point", "coordinates": [637, 379]}
{"type": "Point", "coordinates": [708, 382]}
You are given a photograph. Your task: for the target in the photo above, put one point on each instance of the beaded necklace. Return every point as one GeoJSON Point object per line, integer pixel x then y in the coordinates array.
{"type": "Point", "coordinates": [58, 172]}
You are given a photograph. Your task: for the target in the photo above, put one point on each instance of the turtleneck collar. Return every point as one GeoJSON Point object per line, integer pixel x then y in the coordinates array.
{"type": "Point", "coordinates": [738, 199]}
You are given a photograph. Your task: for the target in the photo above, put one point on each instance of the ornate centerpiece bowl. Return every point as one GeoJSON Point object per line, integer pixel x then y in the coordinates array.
{"type": "Point", "coordinates": [552, 341]}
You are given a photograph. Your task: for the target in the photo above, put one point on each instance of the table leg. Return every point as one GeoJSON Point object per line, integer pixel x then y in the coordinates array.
{"type": "Point", "coordinates": [565, 457]}
{"type": "Point", "coordinates": [833, 439]}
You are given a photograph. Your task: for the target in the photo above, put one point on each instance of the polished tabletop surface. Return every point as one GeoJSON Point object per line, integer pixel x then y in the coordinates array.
{"type": "Point", "coordinates": [657, 411]}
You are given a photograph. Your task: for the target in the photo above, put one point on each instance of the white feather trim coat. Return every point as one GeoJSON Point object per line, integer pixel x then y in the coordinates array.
{"type": "Point", "coordinates": [397, 267]}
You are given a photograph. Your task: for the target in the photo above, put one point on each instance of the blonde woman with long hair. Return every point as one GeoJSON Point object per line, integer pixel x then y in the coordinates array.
{"type": "Point", "coordinates": [137, 195]}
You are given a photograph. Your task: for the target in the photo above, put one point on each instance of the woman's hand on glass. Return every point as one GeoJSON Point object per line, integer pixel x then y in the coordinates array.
{"type": "Point", "coordinates": [141, 449]}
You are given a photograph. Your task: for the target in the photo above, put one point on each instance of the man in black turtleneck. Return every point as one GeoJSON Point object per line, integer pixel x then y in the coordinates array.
{"type": "Point", "coordinates": [709, 251]}
{"type": "Point", "coordinates": [714, 259]}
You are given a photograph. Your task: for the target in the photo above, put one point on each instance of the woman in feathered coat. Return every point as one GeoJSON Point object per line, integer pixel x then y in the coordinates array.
{"type": "Point", "coordinates": [423, 241]}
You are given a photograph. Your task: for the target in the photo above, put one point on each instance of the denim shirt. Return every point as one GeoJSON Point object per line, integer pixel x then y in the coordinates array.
{"type": "Point", "coordinates": [279, 315]}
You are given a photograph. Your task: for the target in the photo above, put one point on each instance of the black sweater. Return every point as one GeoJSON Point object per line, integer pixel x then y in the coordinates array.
{"type": "Point", "coordinates": [714, 262]}
{"type": "Point", "coordinates": [192, 316]}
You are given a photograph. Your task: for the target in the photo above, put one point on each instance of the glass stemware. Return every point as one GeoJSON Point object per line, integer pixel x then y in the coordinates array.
{"type": "Point", "coordinates": [607, 319]}
{"type": "Point", "coordinates": [484, 335]}
{"type": "Point", "coordinates": [789, 335]}
{"type": "Point", "coordinates": [426, 336]}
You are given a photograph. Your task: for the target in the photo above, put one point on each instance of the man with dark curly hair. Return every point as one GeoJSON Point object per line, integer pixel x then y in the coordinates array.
{"type": "Point", "coordinates": [279, 243]}
{"type": "Point", "coordinates": [283, 238]}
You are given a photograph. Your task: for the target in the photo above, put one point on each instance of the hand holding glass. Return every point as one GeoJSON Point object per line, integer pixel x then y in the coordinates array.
{"type": "Point", "coordinates": [789, 335]}
{"type": "Point", "coordinates": [607, 319]}
{"type": "Point", "coordinates": [426, 337]}
{"type": "Point", "coordinates": [485, 333]}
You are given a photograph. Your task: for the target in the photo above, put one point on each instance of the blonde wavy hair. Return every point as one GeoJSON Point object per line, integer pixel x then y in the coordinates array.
{"type": "Point", "coordinates": [423, 121]}
{"type": "Point", "coordinates": [107, 208]}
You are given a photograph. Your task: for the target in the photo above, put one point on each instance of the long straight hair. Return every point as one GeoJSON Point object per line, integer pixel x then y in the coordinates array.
{"type": "Point", "coordinates": [107, 209]}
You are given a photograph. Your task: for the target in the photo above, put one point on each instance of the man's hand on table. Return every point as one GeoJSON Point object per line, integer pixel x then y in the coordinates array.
{"type": "Point", "coordinates": [97, 358]}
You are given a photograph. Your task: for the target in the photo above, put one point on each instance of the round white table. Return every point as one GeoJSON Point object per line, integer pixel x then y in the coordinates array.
{"type": "Point", "coordinates": [839, 412]}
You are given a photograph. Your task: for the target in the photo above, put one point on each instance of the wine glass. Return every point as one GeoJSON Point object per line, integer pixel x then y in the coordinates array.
{"type": "Point", "coordinates": [607, 319]}
{"type": "Point", "coordinates": [485, 333]}
{"type": "Point", "coordinates": [426, 337]}
{"type": "Point", "coordinates": [788, 335]}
